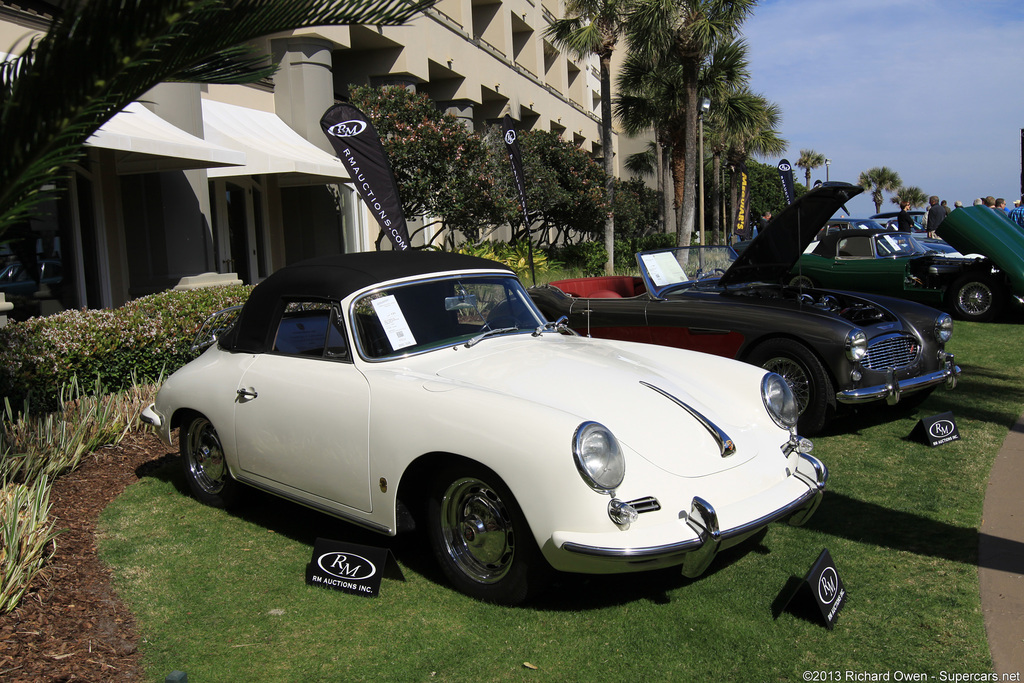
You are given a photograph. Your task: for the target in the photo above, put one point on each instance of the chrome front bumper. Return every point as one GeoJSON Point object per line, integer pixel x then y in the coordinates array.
{"type": "Point", "coordinates": [697, 553]}
{"type": "Point", "coordinates": [893, 388]}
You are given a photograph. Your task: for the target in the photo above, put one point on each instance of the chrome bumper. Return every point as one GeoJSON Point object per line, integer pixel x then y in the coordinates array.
{"type": "Point", "coordinates": [696, 554]}
{"type": "Point", "coordinates": [893, 388]}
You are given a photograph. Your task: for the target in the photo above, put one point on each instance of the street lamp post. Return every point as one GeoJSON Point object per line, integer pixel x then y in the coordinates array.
{"type": "Point", "coordinates": [705, 105]}
{"type": "Point", "coordinates": [827, 162]}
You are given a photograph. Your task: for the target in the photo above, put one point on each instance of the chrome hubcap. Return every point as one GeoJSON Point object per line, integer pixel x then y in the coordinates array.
{"type": "Point", "coordinates": [206, 457]}
{"type": "Point", "coordinates": [477, 530]}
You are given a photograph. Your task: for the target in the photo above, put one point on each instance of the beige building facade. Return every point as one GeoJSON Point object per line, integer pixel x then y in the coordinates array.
{"type": "Point", "coordinates": [241, 180]}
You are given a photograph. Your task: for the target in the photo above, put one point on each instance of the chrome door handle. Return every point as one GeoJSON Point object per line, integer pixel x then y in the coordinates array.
{"type": "Point", "coordinates": [246, 394]}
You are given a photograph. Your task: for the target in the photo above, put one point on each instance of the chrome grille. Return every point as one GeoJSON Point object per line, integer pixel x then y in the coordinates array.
{"type": "Point", "coordinates": [646, 504]}
{"type": "Point", "coordinates": [891, 351]}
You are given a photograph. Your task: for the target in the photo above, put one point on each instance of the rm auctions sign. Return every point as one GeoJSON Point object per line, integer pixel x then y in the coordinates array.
{"type": "Point", "coordinates": [350, 567]}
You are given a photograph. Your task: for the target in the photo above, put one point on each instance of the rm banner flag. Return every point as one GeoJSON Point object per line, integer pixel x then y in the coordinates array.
{"type": "Point", "coordinates": [516, 157]}
{"type": "Point", "coordinates": [786, 174]}
{"type": "Point", "coordinates": [357, 144]}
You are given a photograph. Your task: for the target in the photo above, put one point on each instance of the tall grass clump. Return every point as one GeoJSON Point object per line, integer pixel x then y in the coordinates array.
{"type": "Point", "coordinates": [35, 450]}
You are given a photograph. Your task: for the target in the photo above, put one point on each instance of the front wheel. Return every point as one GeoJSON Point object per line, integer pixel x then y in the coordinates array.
{"type": "Point", "coordinates": [975, 297]}
{"type": "Point", "coordinates": [804, 374]}
{"type": "Point", "coordinates": [206, 470]}
{"type": "Point", "coordinates": [480, 537]}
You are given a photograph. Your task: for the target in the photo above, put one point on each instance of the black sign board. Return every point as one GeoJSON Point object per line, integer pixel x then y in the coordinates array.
{"type": "Point", "coordinates": [825, 587]}
{"type": "Point", "coordinates": [350, 567]}
{"type": "Point", "coordinates": [936, 430]}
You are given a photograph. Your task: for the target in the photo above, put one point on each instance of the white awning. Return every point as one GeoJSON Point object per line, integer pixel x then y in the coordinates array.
{"type": "Point", "coordinates": [270, 146]}
{"type": "Point", "coordinates": [145, 143]}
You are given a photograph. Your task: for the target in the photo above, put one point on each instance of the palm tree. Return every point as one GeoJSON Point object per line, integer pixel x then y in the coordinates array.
{"type": "Point", "coordinates": [674, 38]}
{"type": "Point", "coordinates": [878, 180]}
{"type": "Point", "coordinates": [101, 55]}
{"type": "Point", "coordinates": [592, 27]}
{"type": "Point", "coordinates": [756, 133]}
{"type": "Point", "coordinates": [809, 160]}
{"type": "Point", "coordinates": [913, 194]}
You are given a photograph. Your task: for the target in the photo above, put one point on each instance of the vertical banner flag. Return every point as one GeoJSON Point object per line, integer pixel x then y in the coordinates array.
{"type": "Point", "coordinates": [516, 159]}
{"type": "Point", "coordinates": [786, 174]}
{"type": "Point", "coordinates": [357, 144]}
{"type": "Point", "coordinates": [743, 202]}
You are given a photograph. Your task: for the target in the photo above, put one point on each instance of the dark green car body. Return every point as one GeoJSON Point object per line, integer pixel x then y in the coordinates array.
{"type": "Point", "coordinates": [972, 287]}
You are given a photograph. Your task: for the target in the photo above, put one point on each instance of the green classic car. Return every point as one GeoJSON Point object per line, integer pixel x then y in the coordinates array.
{"type": "Point", "coordinates": [896, 264]}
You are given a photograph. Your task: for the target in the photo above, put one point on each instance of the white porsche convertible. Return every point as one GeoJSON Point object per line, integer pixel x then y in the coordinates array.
{"type": "Point", "coordinates": [423, 389]}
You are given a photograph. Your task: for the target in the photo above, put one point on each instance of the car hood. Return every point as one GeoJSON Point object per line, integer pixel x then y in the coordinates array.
{"type": "Point", "coordinates": [980, 230]}
{"type": "Point", "coordinates": [602, 381]}
{"type": "Point", "coordinates": [775, 250]}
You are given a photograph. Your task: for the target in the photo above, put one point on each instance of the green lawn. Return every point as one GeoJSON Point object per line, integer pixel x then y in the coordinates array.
{"type": "Point", "coordinates": [222, 596]}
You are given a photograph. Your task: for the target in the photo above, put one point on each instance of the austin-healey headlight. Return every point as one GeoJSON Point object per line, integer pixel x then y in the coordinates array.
{"type": "Point", "coordinates": [943, 328]}
{"type": "Point", "coordinates": [598, 457]}
{"type": "Point", "coordinates": [779, 400]}
{"type": "Point", "coordinates": [856, 345]}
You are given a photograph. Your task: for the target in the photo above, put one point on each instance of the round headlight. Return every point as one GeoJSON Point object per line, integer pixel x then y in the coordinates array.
{"type": "Point", "coordinates": [943, 328]}
{"type": "Point", "coordinates": [856, 345]}
{"type": "Point", "coordinates": [779, 400]}
{"type": "Point", "coordinates": [598, 456]}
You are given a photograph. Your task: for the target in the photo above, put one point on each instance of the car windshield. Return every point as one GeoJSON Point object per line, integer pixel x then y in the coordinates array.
{"type": "Point", "coordinates": [426, 315]}
{"type": "Point", "coordinates": [897, 244]}
{"type": "Point", "coordinates": [668, 269]}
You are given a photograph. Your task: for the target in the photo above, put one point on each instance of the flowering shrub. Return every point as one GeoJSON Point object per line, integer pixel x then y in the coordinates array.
{"type": "Point", "coordinates": [136, 342]}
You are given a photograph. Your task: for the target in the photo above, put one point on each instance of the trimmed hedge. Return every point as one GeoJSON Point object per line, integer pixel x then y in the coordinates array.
{"type": "Point", "coordinates": [116, 347]}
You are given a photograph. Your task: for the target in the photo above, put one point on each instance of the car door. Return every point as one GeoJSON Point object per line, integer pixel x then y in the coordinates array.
{"type": "Point", "coordinates": [857, 267]}
{"type": "Point", "coordinates": [301, 416]}
{"type": "Point", "coordinates": [611, 317]}
{"type": "Point", "coordinates": [699, 321]}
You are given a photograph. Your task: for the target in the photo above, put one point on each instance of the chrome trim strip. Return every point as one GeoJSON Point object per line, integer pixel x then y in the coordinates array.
{"type": "Point", "coordinates": [281, 493]}
{"type": "Point", "coordinates": [909, 385]}
{"type": "Point", "coordinates": [726, 446]}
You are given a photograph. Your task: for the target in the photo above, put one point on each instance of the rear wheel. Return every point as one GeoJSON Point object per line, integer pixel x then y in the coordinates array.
{"type": "Point", "coordinates": [206, 470]}
{"type": "Point", "coordinates": [480, 537]}
{"type": "Point", "coordinates": [805, 375]}
{"type": "Point", "coordinates": [975, 297]}
{"type": "Point", "coordinates": [802, 281]}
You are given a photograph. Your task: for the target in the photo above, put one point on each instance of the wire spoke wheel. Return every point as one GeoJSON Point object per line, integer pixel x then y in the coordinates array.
{"type": "Point", "coordinates": [975, 298]}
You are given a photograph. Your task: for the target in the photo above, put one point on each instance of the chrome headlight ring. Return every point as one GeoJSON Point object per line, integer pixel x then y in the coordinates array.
{"type": "Point", "coordinates": [779, 401]}
{"type": "Point", "coordinates": [943, 328]}
{"type": "Point", "coordinates": [856, 345]}
{"type": "Point", "coordinates": [598, 457]}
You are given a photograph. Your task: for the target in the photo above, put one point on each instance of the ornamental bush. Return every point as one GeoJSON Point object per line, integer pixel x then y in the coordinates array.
{"type": "Point", "coordinates": [112, 347]}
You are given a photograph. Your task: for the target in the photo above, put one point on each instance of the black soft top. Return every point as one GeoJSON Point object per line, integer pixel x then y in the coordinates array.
{"type": "Point", "coordinates": [333, 278]}
{"type": "Point", "coordinates": [827, 245]}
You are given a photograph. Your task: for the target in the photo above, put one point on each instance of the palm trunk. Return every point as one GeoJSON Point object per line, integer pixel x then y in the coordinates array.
{"type": "Point", "coordinates": [716, 193]}
{"type": "Point", "coordinates": [609, 160]}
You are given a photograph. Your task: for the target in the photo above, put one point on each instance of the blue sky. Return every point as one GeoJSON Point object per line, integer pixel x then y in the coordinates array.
{"type": "Point", "coordinates": [929, 88]}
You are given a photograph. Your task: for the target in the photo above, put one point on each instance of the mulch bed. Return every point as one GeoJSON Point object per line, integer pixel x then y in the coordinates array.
{"type": "Point", "coordinates": [71, 626]}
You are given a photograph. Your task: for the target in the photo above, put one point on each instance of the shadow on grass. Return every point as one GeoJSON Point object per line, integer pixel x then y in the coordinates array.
{"type": "Point", "coordinates": [839, 515]}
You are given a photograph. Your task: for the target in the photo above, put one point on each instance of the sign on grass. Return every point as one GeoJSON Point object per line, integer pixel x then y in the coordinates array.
{"type": "Point", "coordinates": [350, 567]}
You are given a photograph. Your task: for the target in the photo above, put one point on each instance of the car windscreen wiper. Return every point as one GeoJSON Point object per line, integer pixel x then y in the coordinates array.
{"type": "Point", "coordinates": [489, 333]}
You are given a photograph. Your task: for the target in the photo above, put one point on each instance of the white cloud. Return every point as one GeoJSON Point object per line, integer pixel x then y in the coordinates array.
{"type": "Point", "coordinates": [926, 87]}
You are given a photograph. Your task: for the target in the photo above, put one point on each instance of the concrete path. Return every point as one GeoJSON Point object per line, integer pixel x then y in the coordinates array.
{"type": "Point", "coordinates": [1001, 555]}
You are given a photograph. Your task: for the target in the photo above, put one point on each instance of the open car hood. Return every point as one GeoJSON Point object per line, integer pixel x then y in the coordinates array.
{"type": "Point", "coordinates": [980, 230]}
{"type": "Point", "coordinates": [776, 249]}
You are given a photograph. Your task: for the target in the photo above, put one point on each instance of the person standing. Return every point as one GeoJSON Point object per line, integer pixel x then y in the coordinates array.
{"type": "Point", "coordinates": [936, 214]}
{"type": "Point", "coordinates": [904, 223]}
{"type": "Point", "coordinates": [1001, 205]}
{"type": "Point", "coordinates": [1017, 215]}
